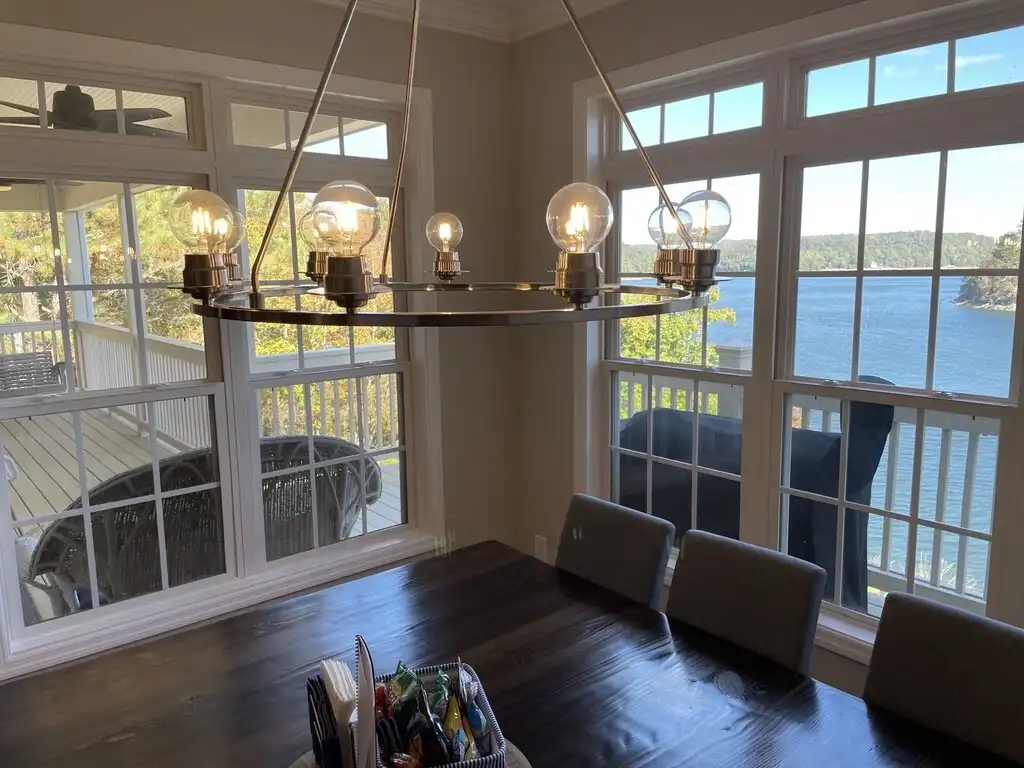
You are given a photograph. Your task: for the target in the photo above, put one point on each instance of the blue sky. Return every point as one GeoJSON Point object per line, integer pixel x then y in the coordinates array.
{"type": "Point", "coordinates": [984, 187]}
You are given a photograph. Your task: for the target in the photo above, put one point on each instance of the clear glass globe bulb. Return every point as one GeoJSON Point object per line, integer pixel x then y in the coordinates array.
{"type": "Point", "coordinates": [444, 231]}
{"type": "Point", "coordinates": [347, 217]}
{"type": "Point", "coordinates": [579, 217]}
{"type": "Point", "coordinates": [664, 229]}
{"type": "Point", "coordinates": [238, 231]}
{"type": "Point", "coordinates": [201, 220]}
{"type": "Point", "coordinates": [311, 233]}
{"type": "Point", "coordinates": [711, 217]}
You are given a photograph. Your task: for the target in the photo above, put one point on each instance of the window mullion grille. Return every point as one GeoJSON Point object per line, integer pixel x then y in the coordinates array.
{"type": "Point", "coordinates": [933, 317]}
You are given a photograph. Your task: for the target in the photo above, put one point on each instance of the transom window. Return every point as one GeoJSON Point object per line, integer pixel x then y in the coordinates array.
{"type": "Point", "coordinates": [951, 66]}
{"type": "Point", "coordinates": [331, 134]}
{"type": "Point", "coordinates": [81, 106]}
{"type": "Point", "coordinates": [717, 112]}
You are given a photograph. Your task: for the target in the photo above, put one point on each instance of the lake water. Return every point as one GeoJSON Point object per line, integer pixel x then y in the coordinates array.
{"type": "Point", "coordinates": [973, 353]}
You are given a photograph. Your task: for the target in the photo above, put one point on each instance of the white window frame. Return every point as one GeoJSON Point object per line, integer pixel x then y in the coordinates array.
{"type": "Point", "coordinates": [850, 34]}
{"type": "Point", "coordinates": [248, 580]}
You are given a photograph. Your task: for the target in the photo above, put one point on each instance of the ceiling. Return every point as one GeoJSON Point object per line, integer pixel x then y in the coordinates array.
{"type": "Point", "coordinates": [502, 20]}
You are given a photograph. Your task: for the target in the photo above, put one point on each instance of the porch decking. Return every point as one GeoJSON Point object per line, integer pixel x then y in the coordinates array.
{"type": "Point", "coordinates": [44, 454]}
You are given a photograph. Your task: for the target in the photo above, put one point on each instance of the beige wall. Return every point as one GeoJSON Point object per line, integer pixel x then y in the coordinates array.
{"type": "Point", "coordinates": [470, 80]}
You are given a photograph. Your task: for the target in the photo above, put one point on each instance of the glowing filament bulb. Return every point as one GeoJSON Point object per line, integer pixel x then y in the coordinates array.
{"type": "Point", "coordinates": [579, 225]}
{"type": "Point", "coordinates": [445, 233]}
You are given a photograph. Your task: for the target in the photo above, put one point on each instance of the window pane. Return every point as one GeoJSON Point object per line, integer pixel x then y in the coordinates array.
{"type": "Point", "coordinates": [24, 95]}
{"type": "Point", "coordinates": [902, 205]}
{"type": "Point", "coordinates": [58, 570]}
{"type": "Point", "coordinates": [996, 58]}
{"type": "Point", "coordinates": [93, 238]}
{"type": "Point", "coordinates": [824, 327]}
{"type": "Point", "coordinates": [811, 535]}
{"type": "Point", "coordinates": [687, 119]}
{"type": "Point", "coordinates": [911, 74]}
{"type": "Point", "coordinates": [105, 340]}
{"type": "Point", "coordinates": [739, 247]}
{"type": "Point", "coordinates": [738, 108]}
{"type": "Point", "coordinates": [82, 108]}
{"type": "Point", "coordinates": [890, 487]}
{"type": "Point", "coordinates": [647, 124]}
{"type": "Point", "coordinates": [160, 252]}
{"type": "Point", "coordinates": [324, 136]}
{"type": "Point", "coordinates": [830, 222]}
{"type": "Point", "coordinates": [174, 337]}
{"type": "Point", "coordinates": [887, 560]}
{"type": "Point", "coordinates": [287, 514]}
{"type": "Point", "coordinates": [194, 530]}
{"type": "Point", "coordinates": [155, 114]}
{"type": "Point", "coordinates": [984, 230]}
{"type": "Point", "coordinates": [894, 330]}
{"type": "Point", "coordinates": [838, 88]}
{"type": "Point", "coordinates": [974, 341]}
{"type": "Point", "coordinates": [258, 127]}
{"type": "Point", "coordinates": [26, 242]}
{"type": "Point", "coordinates": [389, 508]}
{"type": "Point", "coordinates": [364, 138]}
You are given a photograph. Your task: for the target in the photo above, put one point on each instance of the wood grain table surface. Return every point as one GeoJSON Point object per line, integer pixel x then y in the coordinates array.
{"type": "Point", "coordinates": [577, 676]}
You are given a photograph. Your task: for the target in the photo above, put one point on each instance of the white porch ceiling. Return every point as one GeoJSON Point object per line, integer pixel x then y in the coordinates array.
{"type": "Point", "coordinates": [502, 20]}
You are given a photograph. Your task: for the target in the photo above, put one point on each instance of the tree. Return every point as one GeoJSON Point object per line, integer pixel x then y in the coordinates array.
{"type": "Point", "coordinates": [999, 291]}
{"type": "Point", "coordinates": [680, 334]}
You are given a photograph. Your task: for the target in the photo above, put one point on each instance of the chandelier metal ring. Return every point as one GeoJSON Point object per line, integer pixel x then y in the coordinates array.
{"type": "Point", "coordinates": [237, 305]}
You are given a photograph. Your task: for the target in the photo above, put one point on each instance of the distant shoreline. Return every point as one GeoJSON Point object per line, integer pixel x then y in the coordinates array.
{"type": "Point", "coordinates": [992, 306]}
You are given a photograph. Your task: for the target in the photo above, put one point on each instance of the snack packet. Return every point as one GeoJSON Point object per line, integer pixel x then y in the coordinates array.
{"type": "Point", "coordinates": [475, 722]}
{"type": "Point", "coordinates": [402, 680]}
{"type": "Point", "coordinates": [459, 736]}
{"type": "Point", "coordinates": [440, 695]}
{"type": "Point", "coordinates": [425, 739]}
{"type": "Point", "coordinates": [402, 760]}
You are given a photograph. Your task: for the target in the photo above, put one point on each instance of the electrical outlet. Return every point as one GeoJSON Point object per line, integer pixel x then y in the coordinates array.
{"type": "Point", "coordinates": [540, 548]}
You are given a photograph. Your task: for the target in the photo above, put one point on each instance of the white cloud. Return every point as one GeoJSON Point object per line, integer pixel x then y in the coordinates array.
{"type": "Point", "coordinates": [982, 58]}
{"type": "Point", "coordinates": [897, 72]}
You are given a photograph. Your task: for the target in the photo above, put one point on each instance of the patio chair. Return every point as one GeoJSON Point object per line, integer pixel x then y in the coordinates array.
{"type": "Point", "coordinates": [814, 468]}
{"type": "Point", "coordinates": [125, 538]}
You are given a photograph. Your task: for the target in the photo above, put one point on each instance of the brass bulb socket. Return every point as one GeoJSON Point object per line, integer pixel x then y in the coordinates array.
{"type": "Point", "coordinates": [578, 277]}
{"type": "Point", "coordinates": [693, 269]}
{"type": "Point", "coordinates": [348, 282]}
{"type": "Point", "coordinates": [233, 267]}
{"type": "Point", "coordinates": [204, 275]}
{"type": "Point", "coordinates": [316, 266]}
{"type": "Point", "coordinates": [447, 265]}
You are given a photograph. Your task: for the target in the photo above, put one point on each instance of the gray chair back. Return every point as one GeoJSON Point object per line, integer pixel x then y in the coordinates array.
{"type": "Point", "coordinates": [616, 548]}
{"type": "Point", "coordinates": [951, 671]}
{"type": "Point", "coordinates": [762, 600]}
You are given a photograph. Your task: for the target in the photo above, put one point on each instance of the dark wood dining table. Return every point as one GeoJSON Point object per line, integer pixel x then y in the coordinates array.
{"type": "Point", "coordinates": [577, 676]}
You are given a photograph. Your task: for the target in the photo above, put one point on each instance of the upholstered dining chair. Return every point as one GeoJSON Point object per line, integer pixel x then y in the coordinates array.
{"type": "Point", "coordinates": [616, 548]}
{"type": "Point", "coordinates": [951, 671]}
{"type": "Point", "coordinates": [762, 600]}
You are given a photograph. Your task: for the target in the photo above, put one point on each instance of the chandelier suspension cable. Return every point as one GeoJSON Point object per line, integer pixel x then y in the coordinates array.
{"type": "Point", "coordinates": [651, 171]}
{"type": "Point", "coordinates": [300, 145]}
{"type": "Point", "coordinates": [393, 217]}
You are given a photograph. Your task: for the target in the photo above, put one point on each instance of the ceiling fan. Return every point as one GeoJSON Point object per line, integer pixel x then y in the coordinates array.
{"type": "Point", "coordinates": [75, 110]}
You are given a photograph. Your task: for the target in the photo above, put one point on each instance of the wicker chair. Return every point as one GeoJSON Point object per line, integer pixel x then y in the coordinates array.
{"type": "Point", "coordinates": [125, 538]}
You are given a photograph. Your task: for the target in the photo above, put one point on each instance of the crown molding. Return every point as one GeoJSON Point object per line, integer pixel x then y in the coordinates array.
{"type": "Point", "coordinates": [489, 20]}
{"type": "Point", "coordinates": [533, 16]}
{"type": "Point", "coordinates": [504, 21]}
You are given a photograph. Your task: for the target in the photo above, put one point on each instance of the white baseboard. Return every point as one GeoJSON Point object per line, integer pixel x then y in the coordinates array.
{"type": "Point", "coordinates": [87, 633]}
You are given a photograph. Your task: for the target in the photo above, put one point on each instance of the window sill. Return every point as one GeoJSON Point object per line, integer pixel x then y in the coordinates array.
{"type": "Point", "coordinates": [836, 633]}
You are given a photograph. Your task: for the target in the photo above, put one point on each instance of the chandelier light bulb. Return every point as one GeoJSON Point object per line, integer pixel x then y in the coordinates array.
{"type": "Point", "coordinates": [237, 233]}
{"type": "Point", "coordinates": [710, 216]}
{"type": "Point", "coordinates": [202, 221]}
{"type": "Point", "coordinates": [346, 217]}
{"type": "Point", "coordinates": [312, 226]}
{"type": "Point", "coordinates": [664, 229]}
{"type": "Point", "coordinates": [444, 231]}
{"type": "Point", "coordinates": [579, 218]}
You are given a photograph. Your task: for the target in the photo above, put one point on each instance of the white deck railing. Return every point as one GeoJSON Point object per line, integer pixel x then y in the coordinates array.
{"type": "Point", "coordinates": [946, 581]}
{"type": "Point", "coordinates": [32, 337]}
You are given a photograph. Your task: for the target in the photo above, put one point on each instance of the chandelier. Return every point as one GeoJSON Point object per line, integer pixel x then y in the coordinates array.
{"type": "Point", "coordinates": [346, 217]}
